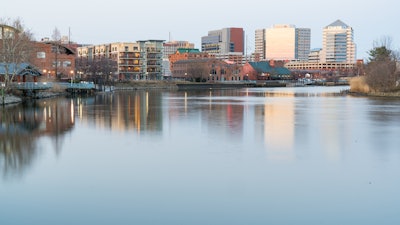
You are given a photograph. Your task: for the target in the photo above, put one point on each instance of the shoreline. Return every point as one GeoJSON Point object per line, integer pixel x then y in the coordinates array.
{"type": "Point", "coordinates": [375, 94]}
{"type": "Point", "coordinates": [10, 99]}
{"type": "Point", "coordinates": [171, 85]}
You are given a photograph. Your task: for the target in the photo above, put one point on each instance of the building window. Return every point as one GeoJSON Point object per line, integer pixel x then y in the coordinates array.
{"type": "Point", "coordinates": [58, 63]}
{"type": "Point", "coordinates": [67, 64]}
{"type": "Point", "coordinates": [41, 55]}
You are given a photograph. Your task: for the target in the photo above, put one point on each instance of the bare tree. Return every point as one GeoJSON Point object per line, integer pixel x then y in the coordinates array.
{"type": "Point", "coordinates": [15, 49]}
{"type": "Point", "coordinates": [101, 69]}
{"type": "Point", "coordinates": [197, 70]}
{"type": "Point", "coordinates": [56, 37]}
{"type": "Point", "coordinates": [381, 70]}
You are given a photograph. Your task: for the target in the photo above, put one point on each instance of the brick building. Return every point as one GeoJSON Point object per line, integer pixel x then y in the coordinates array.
{"type": "Point", "coordinates": [54, 60]}
{"type": "Point", "coordinates": [207, 69]}
{"type": "Point", "coordinates": [186, 54]}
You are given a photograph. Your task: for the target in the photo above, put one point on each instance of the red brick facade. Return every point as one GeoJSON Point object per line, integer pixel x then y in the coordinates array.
{"type": "Point", "coordinates": [44, 57]}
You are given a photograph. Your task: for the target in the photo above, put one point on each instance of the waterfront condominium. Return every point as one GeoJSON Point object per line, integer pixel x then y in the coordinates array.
{"type": "Point", "coordinates": [224, 41]}
{"type": "Point", "coordinates": [134, 60]}
{"type": "Point", "coordinates": [284, 42]}
{"type": "Point", "coordinates": [338, 44]}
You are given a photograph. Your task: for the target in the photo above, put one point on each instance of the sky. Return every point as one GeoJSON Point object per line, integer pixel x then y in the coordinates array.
{"type": "Point", "coordinates": [100, 22]}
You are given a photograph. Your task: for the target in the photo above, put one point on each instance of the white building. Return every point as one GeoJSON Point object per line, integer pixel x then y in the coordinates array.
{"type": "Point", "coordinates": [286, 42]}
{"type": "Point", "coordinates": [338, 43]}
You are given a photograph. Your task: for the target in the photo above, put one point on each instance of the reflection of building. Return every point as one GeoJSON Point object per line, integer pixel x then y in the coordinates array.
{"type": "Point", "coordinates": [276, 127]}
{"type": "Point", "coordinates": [131, 111]}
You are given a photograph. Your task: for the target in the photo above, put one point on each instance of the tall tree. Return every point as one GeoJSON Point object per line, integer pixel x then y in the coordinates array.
{"type": "Point", "coordinates": [381, 70]}
{"type": "Point", "coordinates": [197, 70]}
{"type": "Point", "coordinates": [15, 48]}
{"type": "Point", "coordinates": [56, 38]}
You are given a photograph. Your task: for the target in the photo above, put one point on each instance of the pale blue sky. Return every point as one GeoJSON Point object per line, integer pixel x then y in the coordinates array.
{"type": "Point", "coordinates": [96, 22]}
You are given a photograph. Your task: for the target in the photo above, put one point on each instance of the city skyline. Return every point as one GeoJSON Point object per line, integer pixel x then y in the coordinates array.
{"type": "Point", "coordinates": [127, 21]}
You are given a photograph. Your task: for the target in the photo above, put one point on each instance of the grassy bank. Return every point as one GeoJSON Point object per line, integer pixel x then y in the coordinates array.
{"type": "Point", "coordinates": [358, 86]}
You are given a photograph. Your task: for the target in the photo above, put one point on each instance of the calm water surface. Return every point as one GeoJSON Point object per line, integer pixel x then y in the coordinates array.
{"type": "Point", "coordinates": [248, 156]}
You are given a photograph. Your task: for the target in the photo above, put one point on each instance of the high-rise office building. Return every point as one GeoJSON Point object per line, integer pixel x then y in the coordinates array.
{"type": "Point", "coordinates": [259, 46]}
{"type": "Point", "coordinates": [286, 42]}
{"type": "Point", "coordinates": [223, 41]}
{"type": "Point", "coordinates": [303, 43]}
{"type": "Point", "coordinates": [338, 43]}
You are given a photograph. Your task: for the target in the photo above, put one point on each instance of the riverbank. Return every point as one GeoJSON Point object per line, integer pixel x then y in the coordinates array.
{"type": "Point", "coordinates": [15, 99]}
{"type": "Point", "coordinates": [375, 94]}
{"type": "Point", "coordinates": [10, 99]}
{"type": "Point", "coordinates": [143, 85]}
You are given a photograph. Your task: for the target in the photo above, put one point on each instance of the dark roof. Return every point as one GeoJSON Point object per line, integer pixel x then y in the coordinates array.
{"type": "Point", "coordinates": [338, 23]}
{"type": "Point", "coordinates": [19, 69]}
{"type": "Point", "coordinates": [188, 50]}
{"type": "Point", "coordinates": [265, 67]}
{"type": "Point", "coordinates": [67, 50]}
{"type": "Point", "coordinates": [202, 60]}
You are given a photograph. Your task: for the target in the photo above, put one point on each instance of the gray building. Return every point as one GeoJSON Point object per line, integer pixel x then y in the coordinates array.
{"type": "Point", "coordinates": [223, 41]}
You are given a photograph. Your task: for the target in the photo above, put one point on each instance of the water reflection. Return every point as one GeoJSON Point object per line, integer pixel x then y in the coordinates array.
{"type": "Point", "coordinates": [123, 111]}
{"type": "Point", "coordinates": [281, 121]}
{"type": "Point", "coordinates": [233, 155]}
{"type": "Point", "coordinates": [23, 124]}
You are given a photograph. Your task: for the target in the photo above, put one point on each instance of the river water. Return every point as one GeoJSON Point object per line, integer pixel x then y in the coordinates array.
{"type": "Point", "coordinates": [244, 156]}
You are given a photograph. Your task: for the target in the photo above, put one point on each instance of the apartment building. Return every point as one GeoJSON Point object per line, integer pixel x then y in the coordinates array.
{"type": "Point", "coordinates": [152, 59]}
{"type": "Point", "coordinates": [134, 60]}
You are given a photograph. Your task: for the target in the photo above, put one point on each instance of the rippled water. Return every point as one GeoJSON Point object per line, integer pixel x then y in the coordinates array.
{"type": "Point", "coordinates": [248, 156]}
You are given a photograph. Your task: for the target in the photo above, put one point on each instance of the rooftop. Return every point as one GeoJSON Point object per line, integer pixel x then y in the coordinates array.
{"type": "Point", "coordinates": [338, 23]}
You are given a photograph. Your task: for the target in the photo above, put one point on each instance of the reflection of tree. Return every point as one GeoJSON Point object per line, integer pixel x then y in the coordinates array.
{"type": "Point", "coordinates": [17, 146]}
{"type": "Point", "coordinates": [21, 125]}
